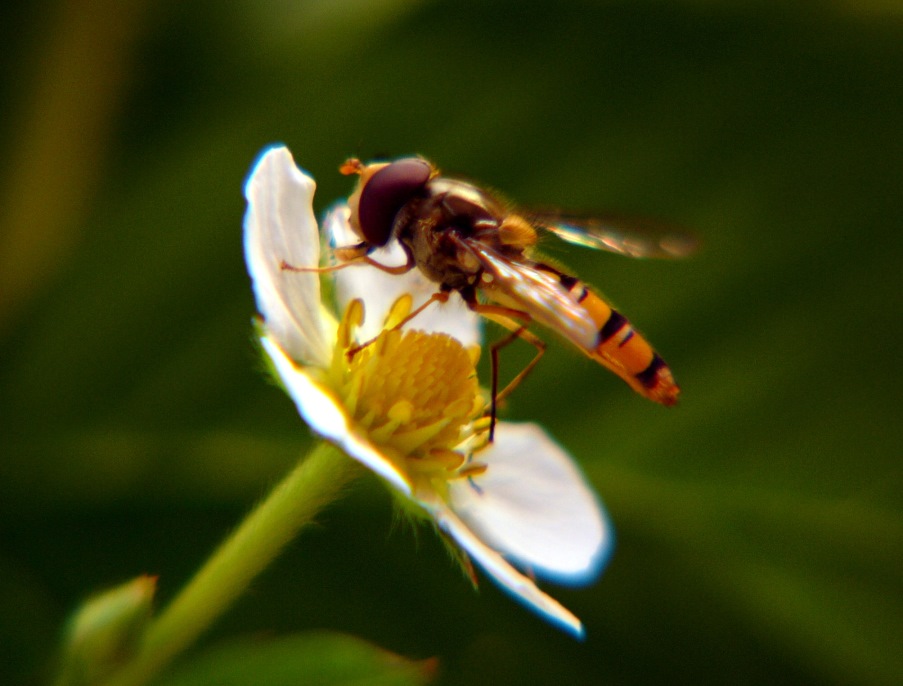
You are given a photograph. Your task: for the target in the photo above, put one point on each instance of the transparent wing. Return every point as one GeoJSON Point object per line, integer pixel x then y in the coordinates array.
{"type": "Point", "coordinates": [631, 236]}
{"type": "Point", "coordinates": [537, 292]}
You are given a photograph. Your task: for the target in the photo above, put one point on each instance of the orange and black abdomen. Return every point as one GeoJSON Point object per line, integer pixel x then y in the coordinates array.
{"type": "Point", "coordinates": [624, 351]}
{"type": "Point", "coordinates": [565, 305]}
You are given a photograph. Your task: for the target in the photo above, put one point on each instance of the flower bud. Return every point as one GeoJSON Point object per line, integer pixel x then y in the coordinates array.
{"type": "Point", "coordinates": [105, 630]}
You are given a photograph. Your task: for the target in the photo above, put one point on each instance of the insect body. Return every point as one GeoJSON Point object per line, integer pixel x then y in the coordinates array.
{"type": "Point", "coordinates": [466, 240]}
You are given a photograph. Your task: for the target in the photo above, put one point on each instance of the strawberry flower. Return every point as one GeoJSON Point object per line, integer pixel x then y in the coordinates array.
{"type": "Point", "coordinates": [405, 401]}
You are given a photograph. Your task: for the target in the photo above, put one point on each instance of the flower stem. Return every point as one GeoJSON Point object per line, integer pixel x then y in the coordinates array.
{"type": "Point", "coordinates": [311, 485]}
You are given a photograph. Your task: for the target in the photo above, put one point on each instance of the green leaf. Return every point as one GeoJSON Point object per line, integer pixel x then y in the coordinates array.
{"type": "Point", "coordinates": [313, 659]}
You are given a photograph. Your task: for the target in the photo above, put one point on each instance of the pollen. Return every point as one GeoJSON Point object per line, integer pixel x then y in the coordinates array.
{"type": "Point", "coordinates": [416, 395]}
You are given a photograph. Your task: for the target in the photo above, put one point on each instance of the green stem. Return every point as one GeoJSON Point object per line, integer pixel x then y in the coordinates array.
{"type": "Point", "coordinates": [315, 482]}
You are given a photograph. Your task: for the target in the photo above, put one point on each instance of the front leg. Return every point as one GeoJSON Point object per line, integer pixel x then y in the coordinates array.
{"type": "Point", "coordinates": [352, 255]}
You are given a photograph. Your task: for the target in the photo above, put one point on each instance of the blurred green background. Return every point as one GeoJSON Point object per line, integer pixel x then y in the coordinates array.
{"type": "Point", "coordinates": [760, 524]}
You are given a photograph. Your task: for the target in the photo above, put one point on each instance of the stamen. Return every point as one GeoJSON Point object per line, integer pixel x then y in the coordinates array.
{"type": "Point", "coordinates": [473, 469]}
{"type": "Point", "coordinates": [399, 311]}
{"type": "Point", "coordinates": [415, 393]}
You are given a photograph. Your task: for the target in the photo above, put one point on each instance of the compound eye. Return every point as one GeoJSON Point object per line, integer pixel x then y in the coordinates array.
{"type": "Point", "coordinates": [387, 191]}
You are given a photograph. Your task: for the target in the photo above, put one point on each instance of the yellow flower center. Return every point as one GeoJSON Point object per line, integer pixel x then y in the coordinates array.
{"type": "Point", "coordinates": [415, 394]}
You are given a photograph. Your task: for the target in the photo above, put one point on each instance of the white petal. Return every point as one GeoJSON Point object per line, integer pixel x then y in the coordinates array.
{"type": "Point", "coordinates": [534, 506]}
{"type": "Point", "coordinates": [380, 290]}
{"type": "Point", "coordinates": [280, 226]}
{"type": "Point", "coordinates": [327, 417]}
{"type": "Point", "coordinates": [503, 573]}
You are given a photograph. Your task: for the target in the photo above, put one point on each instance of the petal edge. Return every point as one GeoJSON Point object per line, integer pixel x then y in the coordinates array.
{"type": "Point", "coordinates": [279, 225]}
{"type": "Point", "coordinates": [534, 506]}
{"type": "Point", "coordinates": [500, 571]}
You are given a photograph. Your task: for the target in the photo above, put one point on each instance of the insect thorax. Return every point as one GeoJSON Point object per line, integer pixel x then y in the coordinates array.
{"type": "Point", "coordinates": [437, 226]}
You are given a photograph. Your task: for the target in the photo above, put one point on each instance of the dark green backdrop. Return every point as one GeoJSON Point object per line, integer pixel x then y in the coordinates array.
{"type": "Point", "coordinates": [760, 524]}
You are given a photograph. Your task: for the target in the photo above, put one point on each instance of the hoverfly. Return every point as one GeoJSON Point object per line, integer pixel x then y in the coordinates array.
{"type": "Point", "coordinates": [466, 240]}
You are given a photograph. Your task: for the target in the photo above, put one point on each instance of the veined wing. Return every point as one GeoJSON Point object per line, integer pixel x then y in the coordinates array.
{"type": "Point", "coordinates": [565, 305]}
{"type": "Point", "coordinates": [631, 236]}
{"type": "Point", "coordinates": [538, 292]}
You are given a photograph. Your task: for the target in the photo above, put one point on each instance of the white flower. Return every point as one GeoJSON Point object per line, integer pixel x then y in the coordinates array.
{"type": "Point", "coordinates": [407, 405]}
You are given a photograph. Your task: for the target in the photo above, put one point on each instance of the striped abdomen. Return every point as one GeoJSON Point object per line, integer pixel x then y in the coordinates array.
{"type": "Point", "coordinates": [564, 304]}
{"type": "Point", "coordinates": [624, 351]}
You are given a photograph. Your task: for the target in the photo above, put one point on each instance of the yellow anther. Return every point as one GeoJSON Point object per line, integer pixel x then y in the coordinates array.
{"type": "Point", "coordinates": [399, 311]}
{"type": "Point", "coordinates": [402, 411]}
{"type": "Point", "coordinates": [472, 469]}
{"type": "Point", "coordinates": [415, 393]}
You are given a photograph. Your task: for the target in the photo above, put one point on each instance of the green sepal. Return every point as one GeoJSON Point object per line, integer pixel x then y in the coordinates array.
{"type": "Point", "coordinates": [104, 632]}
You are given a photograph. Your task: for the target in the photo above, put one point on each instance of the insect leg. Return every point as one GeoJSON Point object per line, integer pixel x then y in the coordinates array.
{"type": "Point", "coordinates": [526, 335]}
{"type": "Point", "coordinates": [354, 262]}
{"type": "Point", "coordinates": [506, 316]}
{"type": "Point", "coordinates": [354, 257]}
{"type": "Point", "coordinates": [400, 269]}
{"type": "Point", "coordinates": [285, 266]}
{"type": "Point", "coordinates": [437, 297]}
